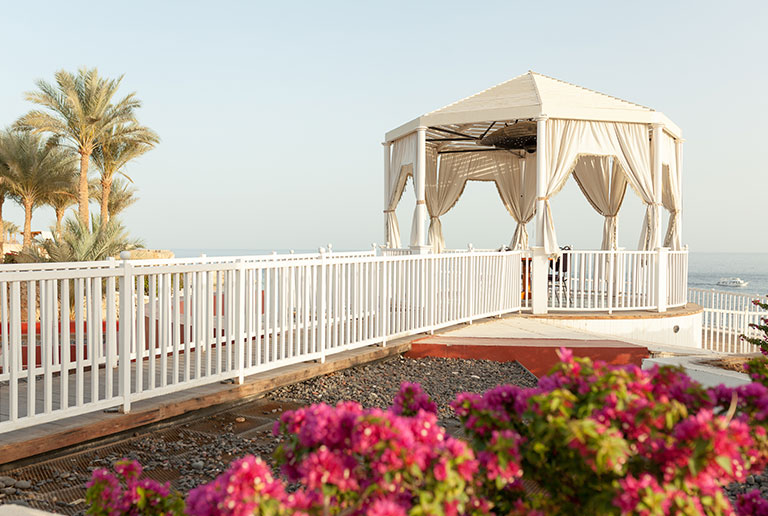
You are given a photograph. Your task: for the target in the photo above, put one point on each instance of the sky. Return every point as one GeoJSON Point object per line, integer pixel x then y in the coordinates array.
{"type": "Point", "coordinates": [272, 114]}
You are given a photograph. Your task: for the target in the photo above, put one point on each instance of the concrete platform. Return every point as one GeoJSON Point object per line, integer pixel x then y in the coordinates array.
{"type": "Point", "coordinates": [533, 343]}
{"type": "Point", "coordinates": [677, 327]}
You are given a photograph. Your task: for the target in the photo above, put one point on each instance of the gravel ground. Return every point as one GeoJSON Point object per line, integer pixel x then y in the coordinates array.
{"type": "Point", "coordinates": [195, 452]}
{"type": "Point", "coordinates": [375, 385]}
{"type": "Point", "coordinates": [753, 482]}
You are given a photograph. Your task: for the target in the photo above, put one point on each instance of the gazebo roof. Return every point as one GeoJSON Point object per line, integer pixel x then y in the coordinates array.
{"type": "Point", "coordinates": [530, 95]}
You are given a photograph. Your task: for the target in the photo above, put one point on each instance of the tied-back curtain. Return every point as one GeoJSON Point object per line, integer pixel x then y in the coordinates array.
{"type": "Point", "coordinates": [671, 193]}
{"type": "Point", "coordinates": [402, 157]}
{"type": "Point", "coordinates": [634, 156]}
{"type": "Point", "coordinates": [604, 186]}
{"type": "Point", "coordinates": [443, 190]}
{"type": "Point", "coordinates": [563, 143]}
{"type": "Point", "coordinates": [446, 183]}
{"type": "Point", "coordinates": [516, 183]}
{"type": "Point", "coordinates": [566, 140]}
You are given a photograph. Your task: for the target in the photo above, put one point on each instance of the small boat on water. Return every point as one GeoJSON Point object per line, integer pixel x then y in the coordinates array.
{"type": "Point", "coordinates": [732, 282]}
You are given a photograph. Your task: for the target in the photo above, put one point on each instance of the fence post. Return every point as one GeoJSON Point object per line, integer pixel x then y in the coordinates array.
{"type": "Point", "coordinates": [662, 264]}
{"type": "Point", "coordinates": [322, 309]}
{"type": "Point", "coordinates": [383, 302]}
{"type": "Point", "coordinates": [611, 256]}
{"type": "Point", "coordinates": [240, 320]}
{"type": "Point", "coordinates": [471, 272]}
{"type": "Point", "coordinates": [540, 272]}
{"type": "Point", "coordinates": [126, 331]}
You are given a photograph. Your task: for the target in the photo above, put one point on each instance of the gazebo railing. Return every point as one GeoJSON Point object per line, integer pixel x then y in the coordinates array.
{"type": "Point", "coordinates": [677, 278]}
{"type": "Point", "coordinates": [616, 280]}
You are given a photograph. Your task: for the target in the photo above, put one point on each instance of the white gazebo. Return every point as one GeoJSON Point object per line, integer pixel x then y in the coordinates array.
{"type": "Point", "coordinates": [528, 135]}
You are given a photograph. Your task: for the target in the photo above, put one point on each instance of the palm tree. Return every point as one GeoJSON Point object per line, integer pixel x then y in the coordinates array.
{"type": "Point", "coordinates": [35, 171]}
{"type": "Point", "coordinates": [4, 192]}
{"type": "Point", "coordinates": [60, 201]}
{"type": "Point", "coordinates": [121, 195]}
{"type": "Point", "coordinates": [80, 111]}
{"type": "Point", "coordinates": [77, 242]}
{"type": "Point", "coordinates": [10, 229]}
{"type": "Point", "coordinates": [118, 148]}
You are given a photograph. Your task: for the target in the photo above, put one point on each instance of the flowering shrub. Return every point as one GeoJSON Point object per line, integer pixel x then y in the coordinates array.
{"type": "Point", "coordinates": [752, 503]}
{"type": "Point", "coordinates": [601, 440]}
{"type": "Point", "coordinates": [591, 439]}
{"type": "Point", "coordinates": [410, 399]}
{"type": "Point", "coordinates": [350, 460]}
{"type": "Point", "coordinates": [124, 493]}
{"type": "Point", "coordinates": [757, 368]}
{"type": "Point", "coordinates": [760, 341]}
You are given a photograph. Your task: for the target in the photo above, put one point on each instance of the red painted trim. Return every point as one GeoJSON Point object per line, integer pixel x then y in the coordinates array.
{"type": "Point", "coordinates": [537, 359]}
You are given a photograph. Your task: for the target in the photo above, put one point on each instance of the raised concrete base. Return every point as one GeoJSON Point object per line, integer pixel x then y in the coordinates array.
{"type": "Point", "coordinates": [680, 327]}
{"type": "Point", "coordinates": [706, 375]}
{"type": "Point", "coordinates": [537, 355]}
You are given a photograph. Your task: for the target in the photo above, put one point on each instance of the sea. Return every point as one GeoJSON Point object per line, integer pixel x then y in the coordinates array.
{"type": "Point", "coordinates": [704, 269]}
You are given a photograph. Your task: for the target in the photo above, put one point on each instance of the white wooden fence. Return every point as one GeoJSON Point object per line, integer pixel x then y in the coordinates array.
{"type": "Point", "coordinates": [616, 280]}
{"type": "Point", "coordinates": [106, 334]}
{"type": "Point", "coordinates": [727, 315]}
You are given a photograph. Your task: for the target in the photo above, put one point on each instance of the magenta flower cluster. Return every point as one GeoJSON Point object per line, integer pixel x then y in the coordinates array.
{"type": "Point", "coordinates": [410, 399]}
{"type": "Point", "coordinates": [350, 460]}
{"type": "Point", "coordinates": [590, 439]}
{"type": "Point", "coordinates": [125, 493]}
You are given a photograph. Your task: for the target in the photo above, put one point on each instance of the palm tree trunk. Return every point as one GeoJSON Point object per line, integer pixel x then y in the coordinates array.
{"type": "Point", "coordinates": [82, 189]}
{"type": "Point", "coordinates": [59, 216]}
{"type": "Point", "coordinates": [27, 223]}
{"type": "Point", "coordinates": [106, 189]}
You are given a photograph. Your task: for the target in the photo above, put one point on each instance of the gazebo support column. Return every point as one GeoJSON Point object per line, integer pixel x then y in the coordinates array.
{"type": "Point", "coordinates": [540, 262]}
{"type": "Point", "coordinates": [657, 184]}
{"type": "Point", "coordinates": [679, 156]}
{"type": "Point", "coordinates": [387, 149]}
{"type": "Point", "coordinates": [419, 241]}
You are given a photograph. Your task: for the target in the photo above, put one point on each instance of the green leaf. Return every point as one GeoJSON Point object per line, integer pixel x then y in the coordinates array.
{"type": "Point", "coordinates": [724, 463]}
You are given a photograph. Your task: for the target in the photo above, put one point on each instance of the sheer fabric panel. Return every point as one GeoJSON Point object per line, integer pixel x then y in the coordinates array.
{"type": "Point", "coordinates": [604, 186]}
{"type": "Point", "coordinates": [402, 157]}
{"type": "Point", "coordinates": [516, 183]}
{"type": "Point", "coordinates": [671, 193]}
{"type": "Point", "coordinates": [569, 139]}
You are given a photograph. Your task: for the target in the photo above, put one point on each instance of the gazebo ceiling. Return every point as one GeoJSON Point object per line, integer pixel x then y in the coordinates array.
{"type": "Point", "coordinates": [511, 135]}
{"type": "Point", "coordinates": [522, 99]}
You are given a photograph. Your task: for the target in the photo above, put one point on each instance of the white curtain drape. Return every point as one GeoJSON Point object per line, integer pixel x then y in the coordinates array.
{"type": "Point", "coordinates": [562, 148]}
{"type": "Point", "coordinates": [671, 193]}
{"type": "Point", "coordinates": [635, 160]}
{"type": "Point", "coordinates": [568, 139]}
{"type": "Point", "coordinates": [444, 189]}
{"type": "Point", "coordinates": [516, 183]}
{"type": "Point", "coordinates": [402, 157]}
{"type": "Point", "coordinates": [515, 180]}
{"type": "Point", "coordinates": [604, 186]}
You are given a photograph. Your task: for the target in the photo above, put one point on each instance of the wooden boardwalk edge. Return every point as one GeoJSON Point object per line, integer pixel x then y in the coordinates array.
{"type": "Point", "coordinates": [49, 437]}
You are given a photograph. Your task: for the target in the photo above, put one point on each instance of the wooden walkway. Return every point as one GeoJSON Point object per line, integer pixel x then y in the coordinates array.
{"type": "Point", "coordinates": [46, 437]}
{"type": "Point", "coordinates": [207, 365]}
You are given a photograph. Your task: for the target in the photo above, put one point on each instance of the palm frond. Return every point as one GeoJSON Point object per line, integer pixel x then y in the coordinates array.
{"type": "Point", "coordinates": [79, 242]}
